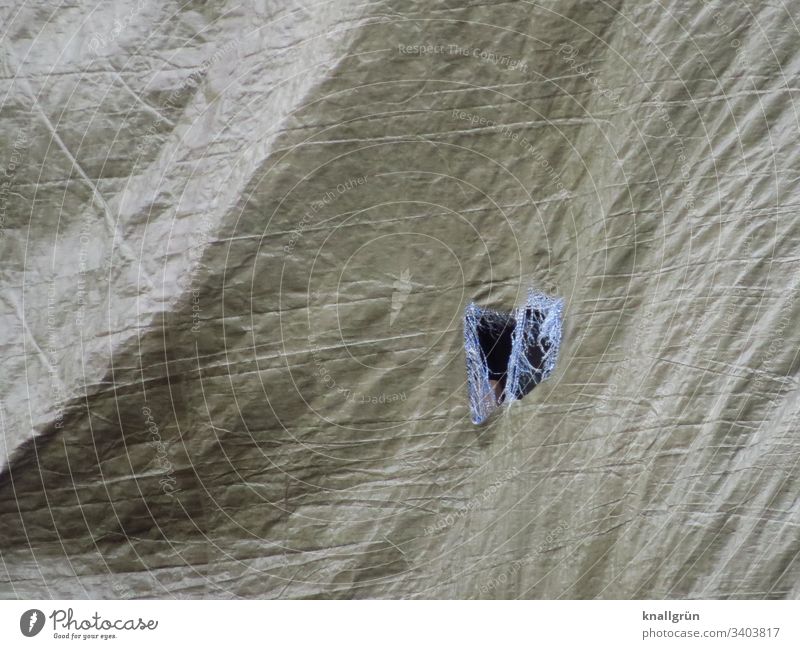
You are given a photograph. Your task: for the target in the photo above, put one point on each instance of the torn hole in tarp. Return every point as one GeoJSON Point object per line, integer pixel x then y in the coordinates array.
{"type": "Point", "coordinates": [509, 354]}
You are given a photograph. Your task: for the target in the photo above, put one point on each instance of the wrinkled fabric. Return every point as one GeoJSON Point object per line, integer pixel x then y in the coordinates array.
{"type": "Point", "coordinates": [237, 241]}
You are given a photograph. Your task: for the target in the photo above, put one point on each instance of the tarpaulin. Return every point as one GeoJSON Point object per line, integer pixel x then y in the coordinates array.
{"type": "Point", "coordinates": [237, 241]}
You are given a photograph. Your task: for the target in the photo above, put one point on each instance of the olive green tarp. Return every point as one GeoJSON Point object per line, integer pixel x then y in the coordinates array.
{"type": "Point", "coordinates": [237, 242]}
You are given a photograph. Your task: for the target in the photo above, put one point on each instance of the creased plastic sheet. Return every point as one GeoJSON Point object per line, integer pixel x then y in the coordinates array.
{"type": "Point", "coordinates": [237, 242]}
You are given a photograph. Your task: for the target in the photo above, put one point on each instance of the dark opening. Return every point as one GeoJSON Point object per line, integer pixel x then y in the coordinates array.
{"type": "Point", "coordinates": [495, 337]}
{"type": "Point", "coordinates": [495, 333]}
{"type": "Point", "coordinates": [535, 351]}
{"type": "Point", "coordinates": [509, 353]}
